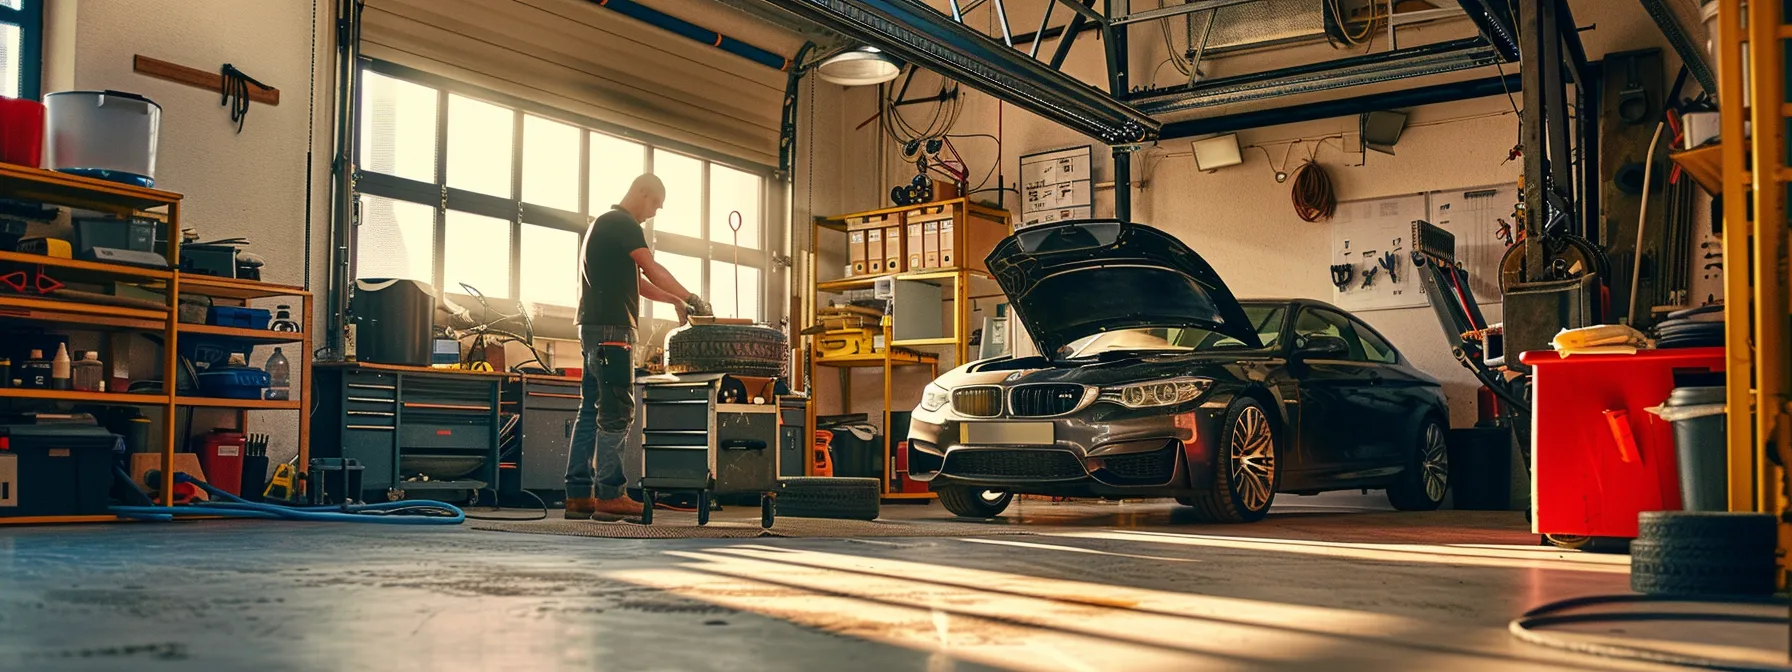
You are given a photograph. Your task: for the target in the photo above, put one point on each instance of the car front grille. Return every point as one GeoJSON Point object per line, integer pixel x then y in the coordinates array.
{"type": "Point", "coordinates": [1014, 464]}
{"type": "Point", "coordinates": [1044, 401]}
{"type": "Point", "coordinates": [1150, 468]}
{"type": "Point", "coordinates": [978, 402]}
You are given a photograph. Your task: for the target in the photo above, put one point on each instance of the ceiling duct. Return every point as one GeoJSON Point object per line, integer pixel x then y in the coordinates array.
{"type": "Point", "coordinates": [920, 35]}
{"type": "Point", "coordinates": [1341, 73]}
{"type": "Point", "coordinates": [1264, 23]}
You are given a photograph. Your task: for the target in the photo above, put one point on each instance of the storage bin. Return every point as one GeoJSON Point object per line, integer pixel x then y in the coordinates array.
{"type": "Point", "coordinates": [55, 470]}
{"type": "Point", "coordinates": [239, 317]}
{"type": "Point", "coordinates": [110, 135]}
{"type": "Point", "coordinates": [233, 382]}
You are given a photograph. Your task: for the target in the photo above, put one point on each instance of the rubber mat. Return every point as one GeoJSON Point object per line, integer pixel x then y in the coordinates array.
{"type": "Point", "coordinates": [684, 526]}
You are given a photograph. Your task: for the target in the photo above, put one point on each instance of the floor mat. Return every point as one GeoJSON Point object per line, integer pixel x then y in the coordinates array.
{"type": "Point", "coordinates": [684, 526]}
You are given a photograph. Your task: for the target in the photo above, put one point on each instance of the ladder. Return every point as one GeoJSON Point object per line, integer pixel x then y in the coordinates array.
{"type": "Point", "coordinates": [1755, 280]}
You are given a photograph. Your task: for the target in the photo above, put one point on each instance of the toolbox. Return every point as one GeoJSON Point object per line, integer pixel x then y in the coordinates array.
{"type": "Point", "coordinates": [238, 317]}
{"type": "Point", "coordinates": [692, 440]}
{"type": "Point", "coordinates": [55, 470]}
{"type": "Point", "coordinates": [848, 343]}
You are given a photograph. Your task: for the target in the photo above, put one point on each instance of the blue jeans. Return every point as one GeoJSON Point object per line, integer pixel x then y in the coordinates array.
{"type": "Point", "coordinates": [606, 409]}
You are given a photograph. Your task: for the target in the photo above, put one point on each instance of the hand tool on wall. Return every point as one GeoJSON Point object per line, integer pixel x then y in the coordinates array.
{"type": "Point", "coordinates": [1390, 262]}
{"type": "Point", "coordinates": [1341, 274]}
{"type": "Point", "coordinates": [1369, 276]}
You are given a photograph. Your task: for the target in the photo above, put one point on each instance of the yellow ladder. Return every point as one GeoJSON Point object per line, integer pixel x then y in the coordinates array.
{"type": "Point", "coordinates": [1755, 285]}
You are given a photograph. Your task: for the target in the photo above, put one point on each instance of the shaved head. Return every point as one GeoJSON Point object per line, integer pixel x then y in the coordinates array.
{"type": "Point", "coordinates": [646, 195]}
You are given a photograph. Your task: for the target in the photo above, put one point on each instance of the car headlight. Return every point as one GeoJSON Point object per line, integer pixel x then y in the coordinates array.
{"type": "Point", "coordinates": [935, 398]}
{"type": "Point", "coordinates": [1158, 393]}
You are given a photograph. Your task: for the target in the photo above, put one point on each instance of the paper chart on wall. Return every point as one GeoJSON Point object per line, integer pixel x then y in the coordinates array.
{"type": "Point", "coordinates": [1481, 220]}
{"type": "Point", "coordinates": [1371, 260]}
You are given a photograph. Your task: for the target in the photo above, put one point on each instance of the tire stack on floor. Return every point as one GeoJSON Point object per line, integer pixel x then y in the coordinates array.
{"type": "Point", "coordinates": [764, 352]}
{"type": "Point", "coordinates": [1703, 553]}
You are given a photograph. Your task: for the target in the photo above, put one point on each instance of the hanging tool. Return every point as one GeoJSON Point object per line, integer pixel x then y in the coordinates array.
{"type": "Point", "coordinates": [235, 83]}
{"type": "Point", "coordinates": [1369, 276]}
{"type": "Point", "coordinates": [1341, 274]}
{"type": "Point", "coordinates": [1390, 262]}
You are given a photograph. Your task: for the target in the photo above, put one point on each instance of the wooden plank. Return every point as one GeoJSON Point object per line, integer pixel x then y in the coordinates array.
{"type": "Point", "coordinates": [114, 398]}
{"type": "Point", "coordinates": [194, 77]}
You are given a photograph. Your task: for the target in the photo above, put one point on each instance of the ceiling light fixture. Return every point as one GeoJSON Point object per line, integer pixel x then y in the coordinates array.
{"type": "Point", "coordinates": [859, 67]}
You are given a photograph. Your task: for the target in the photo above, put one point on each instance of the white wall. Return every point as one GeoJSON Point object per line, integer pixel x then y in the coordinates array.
{"type": "Point", "coordinates": [1239, 218]}
{"type": "Point", "coordinates": [250, 184]}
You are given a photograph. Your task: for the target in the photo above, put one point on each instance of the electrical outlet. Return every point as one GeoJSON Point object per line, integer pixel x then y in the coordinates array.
{"type": "Point", "coordinates": [9, 481]}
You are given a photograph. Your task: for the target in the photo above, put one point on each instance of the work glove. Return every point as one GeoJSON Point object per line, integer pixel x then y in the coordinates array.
{"type": "Point", "coordinates": [695, 305]}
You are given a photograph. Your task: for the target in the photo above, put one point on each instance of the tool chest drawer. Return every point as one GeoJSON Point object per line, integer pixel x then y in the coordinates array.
{"type": "Point", "coordinates": [550, 397]}
{"type": "Point", "coordinates": [652, 393]}
{"type": "Point", "coordinates": [688, 415]}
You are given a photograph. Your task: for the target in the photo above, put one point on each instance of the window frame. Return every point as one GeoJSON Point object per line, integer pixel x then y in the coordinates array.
{"type": "Point", "coordinates": [754, 254]}
{"type": "Point", "coordinates": [29, 17]}
{"type": "Point", "coordinates": [1361, 328]}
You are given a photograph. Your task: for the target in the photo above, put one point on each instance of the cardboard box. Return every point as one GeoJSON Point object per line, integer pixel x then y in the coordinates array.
{"type": "Point", "coordinates": [893, 249]}
{"type": "Point", "coordinates": [874, 250]}
{"type": "Point", "coordinates": [855, 251]}
{"type": "Point", "coordinates": [916, 251]}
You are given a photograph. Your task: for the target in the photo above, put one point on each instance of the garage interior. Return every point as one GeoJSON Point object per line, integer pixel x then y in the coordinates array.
{"type": "Point", "coordinates": [1024, 334]}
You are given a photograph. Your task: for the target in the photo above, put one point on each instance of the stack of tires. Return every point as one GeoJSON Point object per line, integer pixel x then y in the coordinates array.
{"type": "Point", "coordinates": [738, 349]}
{"type": "Point", "coordinates": [1703, 554]}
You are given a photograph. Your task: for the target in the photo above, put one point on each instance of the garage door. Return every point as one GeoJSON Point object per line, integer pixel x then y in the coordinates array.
{"type": "Point", "coordinates": [576, 56]}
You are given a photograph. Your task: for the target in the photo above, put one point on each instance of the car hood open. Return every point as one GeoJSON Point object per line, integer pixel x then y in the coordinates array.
{"type": "Point", "coordinates": [1071, 280]}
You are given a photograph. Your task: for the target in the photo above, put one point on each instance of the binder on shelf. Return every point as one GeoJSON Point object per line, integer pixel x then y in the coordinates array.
{"type": "Point", "coordinates": [916, 251]}
{"type": "Point", "coordinates": [893, 249]}
{"type": "Point", "coordinates": [855, 250]}
{"type": "Point", "coordinates": [930, 242]}
{"type": "Point", "coordinates": [874, 250]}
{"type": "Point", "coordinates": [946, 259]}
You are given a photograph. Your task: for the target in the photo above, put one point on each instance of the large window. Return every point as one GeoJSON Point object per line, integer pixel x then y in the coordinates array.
{"type": "Point", "coordinates": [21, 48]}
{"type": "Point", "coordinates": [462, 186]}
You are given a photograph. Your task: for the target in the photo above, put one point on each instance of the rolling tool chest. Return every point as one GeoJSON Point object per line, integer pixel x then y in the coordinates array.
{"type": "Point", "coordinates": [695, 435]}
{"type": "Point", "coordinates": [417, 432]}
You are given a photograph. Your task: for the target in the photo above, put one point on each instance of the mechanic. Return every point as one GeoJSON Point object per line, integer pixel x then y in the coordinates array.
{"type": "Point", "coordinates": [616, 269]}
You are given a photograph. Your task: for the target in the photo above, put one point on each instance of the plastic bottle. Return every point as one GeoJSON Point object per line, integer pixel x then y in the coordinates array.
{"type": "Point", "coordinates": [88, 374]}
{"type": "Point", "coordinates": [279, 376]}
{"type": "Point", "coordinates": [34, 372]}
{"type": "Point", "coordinates": [59, 369]}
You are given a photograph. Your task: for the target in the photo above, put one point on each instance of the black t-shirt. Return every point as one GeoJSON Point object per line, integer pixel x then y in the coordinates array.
{"type": "Point", "coordinates": [609, 280]}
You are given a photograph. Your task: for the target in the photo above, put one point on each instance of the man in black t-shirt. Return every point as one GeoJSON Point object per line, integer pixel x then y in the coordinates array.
{"type": "Point", "coordinates": [616, 269]}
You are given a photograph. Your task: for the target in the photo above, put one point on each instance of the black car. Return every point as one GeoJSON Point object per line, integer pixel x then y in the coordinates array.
{"type": "Point", "coordinates": [1156, 382]}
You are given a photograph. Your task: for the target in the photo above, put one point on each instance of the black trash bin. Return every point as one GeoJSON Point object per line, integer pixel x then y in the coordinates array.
{"type": "Point", "coordinates": [1699, 442]}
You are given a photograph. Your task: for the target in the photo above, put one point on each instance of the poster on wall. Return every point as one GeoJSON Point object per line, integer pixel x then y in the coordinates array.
{"type": "Point", "coordinates": [1056, 186]}
{"type": "Point", "coordinates": [1482, 221]}
{"type": "Point", "coordinates": [1371, 260]}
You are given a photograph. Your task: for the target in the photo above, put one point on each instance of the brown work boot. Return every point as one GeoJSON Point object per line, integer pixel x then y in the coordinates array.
{"type": "Point", "coordinates": [580, 508]}
{"type": "Point", "coordinates": [615, 509]}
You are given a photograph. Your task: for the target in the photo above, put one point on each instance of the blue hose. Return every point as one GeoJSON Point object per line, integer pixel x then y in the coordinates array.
{"type": "Point", "coordinates": [232, 506]}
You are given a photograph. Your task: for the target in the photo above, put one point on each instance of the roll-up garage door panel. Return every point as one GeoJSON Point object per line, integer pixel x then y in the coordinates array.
{"type": "Point", "coordinates": [573, 56]}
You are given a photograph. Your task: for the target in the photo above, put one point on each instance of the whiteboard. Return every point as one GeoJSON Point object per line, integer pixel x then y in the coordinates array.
{"type": "Point", "coordinates": [1370, 236]}
{"type": "Point", "coordinates": [1056, 185]}
{"type": "Point", "coordinates": [1476, 217]}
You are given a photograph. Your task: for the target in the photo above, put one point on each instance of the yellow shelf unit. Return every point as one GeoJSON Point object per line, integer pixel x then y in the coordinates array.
{"type": "Point", "coordinates": [109, 316]}
{"type": "Point", "coordinates": [976, 228]}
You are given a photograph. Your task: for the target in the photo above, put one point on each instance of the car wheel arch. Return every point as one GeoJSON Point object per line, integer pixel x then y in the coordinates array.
{"type": "Point", "coordinates": [1278, 423]}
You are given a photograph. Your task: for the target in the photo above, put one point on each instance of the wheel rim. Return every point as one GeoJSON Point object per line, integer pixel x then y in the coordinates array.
{"type": "Point", "coordinates": [991, 496]}
{"type": "Point", "coordinates": [1435, 464]}
{"type": "Point", "coordinates": [1253, 450]}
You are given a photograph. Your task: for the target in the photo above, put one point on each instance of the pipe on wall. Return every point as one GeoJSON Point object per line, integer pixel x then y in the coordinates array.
{"type": "Point", "coordinates": [678, 26]}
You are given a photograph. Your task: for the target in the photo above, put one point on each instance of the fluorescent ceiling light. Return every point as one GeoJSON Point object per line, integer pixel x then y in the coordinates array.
{"type": "Point", "coordinates": [859, 67]}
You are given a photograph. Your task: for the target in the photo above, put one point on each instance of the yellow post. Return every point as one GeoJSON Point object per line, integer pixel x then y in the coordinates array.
{"type": "Point", "coordinates": [1766, 96]}
{"type": "Point", "coordinates": [1738, 328]}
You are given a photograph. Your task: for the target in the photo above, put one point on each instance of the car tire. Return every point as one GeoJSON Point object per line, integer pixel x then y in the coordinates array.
{"type": "Point", "coordinates": [1246, 468]}
{"type": "Point", "coordinates": [837, 498]}
{"type": "Point", "coordinates": [742, 350]}
{"type": "Point", "coordinates": [975, 502]}
{"type": "Point", "coordinates": [1425, 481]}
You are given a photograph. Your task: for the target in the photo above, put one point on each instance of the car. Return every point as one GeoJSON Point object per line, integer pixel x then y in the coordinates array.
{"type": "Point", "coordinates": [1155, 381]}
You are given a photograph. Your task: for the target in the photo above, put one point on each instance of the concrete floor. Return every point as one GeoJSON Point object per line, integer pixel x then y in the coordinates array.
{"type": "Point", "coordinates": [1334, 581]}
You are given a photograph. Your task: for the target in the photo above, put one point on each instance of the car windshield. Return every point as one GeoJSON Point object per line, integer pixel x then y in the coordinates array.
{"type": "Point", "coordinates": [1267, 319]}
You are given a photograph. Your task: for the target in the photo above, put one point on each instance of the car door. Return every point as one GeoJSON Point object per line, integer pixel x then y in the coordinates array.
{"type": "Point", "coordinates": [1390, 397]}
{"type": "Point", "coordinates": [1334, 389]}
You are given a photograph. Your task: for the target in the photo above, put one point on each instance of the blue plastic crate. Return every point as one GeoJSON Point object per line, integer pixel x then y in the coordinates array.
{"type": "Point", "coordinates": [239, 317]}
{"type": "Point", "coordinates": [233, 382]}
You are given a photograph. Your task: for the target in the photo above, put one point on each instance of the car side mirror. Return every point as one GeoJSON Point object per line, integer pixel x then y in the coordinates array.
{"type": "Point", "coordinates": [1323, 346]}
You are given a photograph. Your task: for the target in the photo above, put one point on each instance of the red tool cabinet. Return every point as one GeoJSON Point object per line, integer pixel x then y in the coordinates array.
{"type": "Point", "coordinates": [1598, 458]}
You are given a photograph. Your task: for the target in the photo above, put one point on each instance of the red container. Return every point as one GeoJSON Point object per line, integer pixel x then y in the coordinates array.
{"type": "Point", "coordinates": [1598, 458]}
{"type": "Point", "coordinates": [21, 132]}
{"type": "Point", "coordinates": [221, 458]}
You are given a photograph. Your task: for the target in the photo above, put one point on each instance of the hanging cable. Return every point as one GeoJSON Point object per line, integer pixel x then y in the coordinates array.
{"type": "Point", "coordinates": [234, 87]}
{"type": "Point", "coordinates": [1313, 197]}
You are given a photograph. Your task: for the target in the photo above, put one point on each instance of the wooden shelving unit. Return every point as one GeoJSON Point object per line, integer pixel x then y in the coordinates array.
{"type": "Point", "coordinates": [82, 313]}
{"type": "Point", "coordinates": [976, 228]}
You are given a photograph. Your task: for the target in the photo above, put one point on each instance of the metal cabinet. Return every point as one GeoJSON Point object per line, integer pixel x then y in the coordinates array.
{"type": "Point", "coordinates": [547, 408]}
{"type": "Point", "coordinates": [424, 432]}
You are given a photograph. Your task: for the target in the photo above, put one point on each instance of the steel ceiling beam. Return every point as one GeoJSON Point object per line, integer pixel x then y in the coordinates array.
{"type": "Point", "coordinates": [1495, 26]}
{"type": "Point", "coordinates": [1343, 107]}
{"type": "Point", "coordinates": [1087, 11]}
{"type": "Point", "coordinates": [1684, 45]}
{"type": "Point", "coordinates": [1340, 73]}
{"type": "Point", "coordinates": [923, 36]}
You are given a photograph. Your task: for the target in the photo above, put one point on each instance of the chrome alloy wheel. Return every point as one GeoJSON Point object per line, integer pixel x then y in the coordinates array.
{"type": "Point", "coordinates": [991, 496]}
{"type": "Point", "coordinates": [1435, 463]}
{"type": "Point", "coordinates": [1253, 452]}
